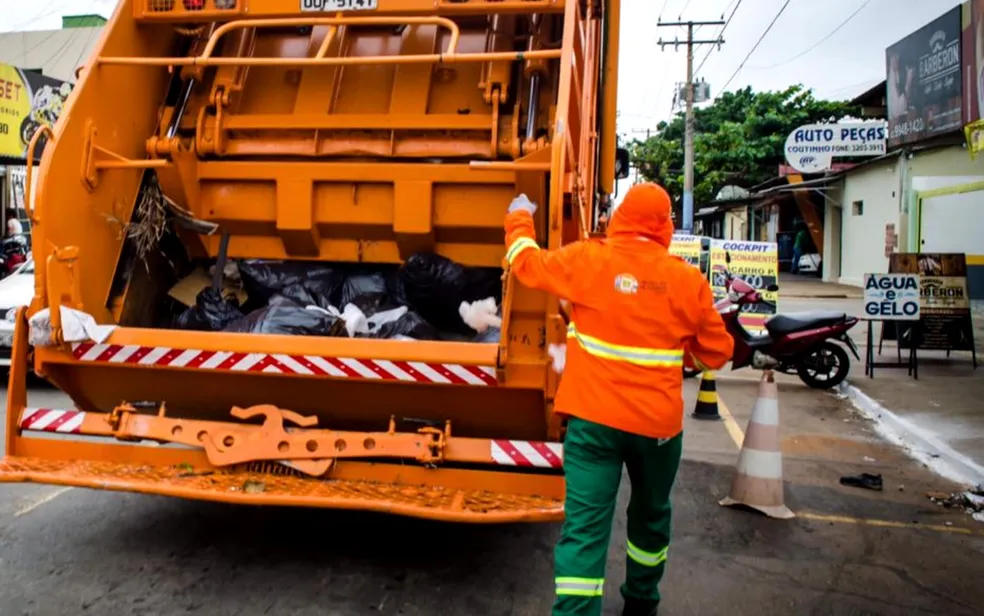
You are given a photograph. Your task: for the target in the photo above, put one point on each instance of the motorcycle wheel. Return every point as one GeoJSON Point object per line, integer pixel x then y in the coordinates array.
{"type": "Point", "coordinates": [824, 367]}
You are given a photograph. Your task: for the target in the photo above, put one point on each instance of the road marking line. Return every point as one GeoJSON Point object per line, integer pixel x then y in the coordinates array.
{"type": "Point", "coordinates": [41, 501]}
{"type": "Point", "coordinates": [738, 436]}
{"type": "Point", "coordinates": [730, 424]}
{"type": "Point", "coordinates": [843, 519]}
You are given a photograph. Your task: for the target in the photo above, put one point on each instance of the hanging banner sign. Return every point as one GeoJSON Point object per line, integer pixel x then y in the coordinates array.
{"type": "Point", "coordinates": [27, 100]}
{"type": "Point", "coordinates": [757, 263]}
{"type": "Point", "coordinates": [812, 148]}
{"type": "Point", "coordinates": [687, 247]}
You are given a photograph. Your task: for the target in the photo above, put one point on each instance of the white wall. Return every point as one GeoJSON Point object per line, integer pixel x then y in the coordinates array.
{"type": "Point", "coordinates": [863, 236]}
{"type": "Point", "coordinates": [832, 232]}
{"type": "Point", "coordinates": [56, 52]}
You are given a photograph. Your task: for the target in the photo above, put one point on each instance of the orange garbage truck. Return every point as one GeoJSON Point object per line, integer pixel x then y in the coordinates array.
{"type": "Point", "coordinates": [332, 133]}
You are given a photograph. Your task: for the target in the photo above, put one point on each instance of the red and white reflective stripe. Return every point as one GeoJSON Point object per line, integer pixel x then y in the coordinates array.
{"type": "Point", "coordinates": [52, 420]}
{"type": "Point", "coordinates": [528, 453]}
{"type": "Point", "coordinates": [337, 367]}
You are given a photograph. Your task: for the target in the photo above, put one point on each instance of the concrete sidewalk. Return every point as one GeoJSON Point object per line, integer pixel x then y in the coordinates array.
{"type": "Point", "coordinates": [939, 418]}
{"type": "Point", "coordinates": [802, 286]}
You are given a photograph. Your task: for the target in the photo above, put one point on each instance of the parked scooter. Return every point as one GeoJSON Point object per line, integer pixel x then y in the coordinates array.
{"type": "Point", "coordinates": [795, 342]}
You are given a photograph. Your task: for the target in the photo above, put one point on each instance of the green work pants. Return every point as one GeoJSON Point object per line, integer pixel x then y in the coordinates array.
{"type": "Point", "coordinates": [593, 459]}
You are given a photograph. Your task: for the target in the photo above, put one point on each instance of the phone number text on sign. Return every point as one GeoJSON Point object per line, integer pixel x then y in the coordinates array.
{"type": "Point", "coordinates": [338, 5]}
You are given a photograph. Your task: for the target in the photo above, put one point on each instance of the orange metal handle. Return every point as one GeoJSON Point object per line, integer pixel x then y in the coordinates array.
{"type": "Point", "coordinates": [332, 21]}
{"type": "Point", "coordinates": [44, 129]}
{"type": "Point", "coordinates": [450, 55]}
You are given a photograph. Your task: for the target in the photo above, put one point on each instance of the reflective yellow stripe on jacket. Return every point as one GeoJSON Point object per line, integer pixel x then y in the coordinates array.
{"type": "Point", "coordinates": [639, 356]}
{"type": "Point", "coordinates": [519, 246]}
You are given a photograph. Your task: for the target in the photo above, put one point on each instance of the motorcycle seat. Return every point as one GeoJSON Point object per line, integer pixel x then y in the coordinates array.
{"type": "Point", "coordinates": [792, 322]}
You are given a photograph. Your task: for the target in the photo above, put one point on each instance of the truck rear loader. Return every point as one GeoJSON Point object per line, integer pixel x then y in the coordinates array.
{"type": "Point", "coordinates": [342, 131]}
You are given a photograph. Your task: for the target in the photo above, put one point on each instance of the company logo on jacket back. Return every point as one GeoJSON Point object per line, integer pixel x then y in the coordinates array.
{"type": "Point", "coordinates": [629, 285]}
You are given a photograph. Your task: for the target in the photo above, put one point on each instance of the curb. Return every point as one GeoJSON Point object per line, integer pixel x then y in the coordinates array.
{"type": "Point", "coordinates": [920, 444]}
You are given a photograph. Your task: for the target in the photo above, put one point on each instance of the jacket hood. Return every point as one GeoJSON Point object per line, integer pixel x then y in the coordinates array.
{"type": "Point", "coordinates": [645, 211]}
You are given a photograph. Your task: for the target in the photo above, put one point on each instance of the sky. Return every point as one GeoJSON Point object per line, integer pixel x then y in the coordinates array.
{"type": "Point", "coordinates": [809, 44]}
{"type": "Point", "coordinates": [844, 65]}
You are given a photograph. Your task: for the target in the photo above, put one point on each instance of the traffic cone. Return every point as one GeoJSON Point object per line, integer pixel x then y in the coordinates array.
{"type": "Point", "coordinates": [707, 398]}
{"type": "Point", "coordinates": [758, 477]}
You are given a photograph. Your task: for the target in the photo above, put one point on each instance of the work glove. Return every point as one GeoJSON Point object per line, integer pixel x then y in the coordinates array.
{"type": "Point", "coordinates": [522, 203]}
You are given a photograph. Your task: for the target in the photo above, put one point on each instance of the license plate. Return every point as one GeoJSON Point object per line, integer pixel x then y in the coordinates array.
{"type": "Point", "coordinates": [338, 5]}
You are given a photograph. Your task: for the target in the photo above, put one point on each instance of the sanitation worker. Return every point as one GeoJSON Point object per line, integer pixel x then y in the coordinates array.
{"type": "Point", "coordinates": [638, 315]}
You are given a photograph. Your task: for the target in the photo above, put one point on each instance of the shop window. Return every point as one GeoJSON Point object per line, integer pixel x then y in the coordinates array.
{"type": "Point", "coordinates": [857, 208]}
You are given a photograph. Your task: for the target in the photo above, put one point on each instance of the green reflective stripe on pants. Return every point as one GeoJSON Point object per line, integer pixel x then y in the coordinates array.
{"type": "Point", "coordinates": [582, 587]}
{"type": "Point", "coordinates": [519, 246]}
{"type": "Point", "coordinates": [644, 558]}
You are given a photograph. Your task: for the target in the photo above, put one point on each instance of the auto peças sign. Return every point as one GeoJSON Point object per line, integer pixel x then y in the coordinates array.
{"type": "Point", "coordinates": [924, 81]}
{"type": "Point", "coordinates": [812, 148]}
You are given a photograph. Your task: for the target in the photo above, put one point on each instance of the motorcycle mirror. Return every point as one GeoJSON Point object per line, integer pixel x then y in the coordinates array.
{"type": "Point", "coordinates": [772, 288]}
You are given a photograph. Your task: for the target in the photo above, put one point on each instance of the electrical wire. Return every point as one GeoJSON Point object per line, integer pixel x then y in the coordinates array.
{"type": "Point", "coordinates": [755, 46]}
{"type": "Point", "coordinates": [684, 8]}
{"type": "Point", "coordinates": [723, 28]}
{"type": "Point", "coordinates": [818, 43]}
{"type": "Point", "coordinates": [46, 11]}
{"type": "Point", "coordinates": [662, 10]}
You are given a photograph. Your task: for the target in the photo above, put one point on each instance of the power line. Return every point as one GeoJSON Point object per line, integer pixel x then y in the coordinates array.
{"type": "Point", "coordinates": [754, 47]}
{"type": "Point", "coordinates": [662, 10]}
{"type": "Point", "coordinates": [723, 28]}
{"type": "Point", "coordinates": [818, 43]}
{"type": "Point", "coordinates": [684, 8]}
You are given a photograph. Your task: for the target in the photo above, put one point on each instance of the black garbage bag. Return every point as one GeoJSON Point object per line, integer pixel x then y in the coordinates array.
{"type": "Point", "coordinates": [211, 312]}
{"type": "Point", "coordinates": [264, 279]}
{"type": "Point", "coordinates": [285, 316]}
{"type": "Point", "coordinates": [369, 292]}
{"type": "Point", "coordinates": [410, 325]}
{"type": "Point", "coordinates": [300, 294]}
{"type": "Point", "coordinates": [435, 287]}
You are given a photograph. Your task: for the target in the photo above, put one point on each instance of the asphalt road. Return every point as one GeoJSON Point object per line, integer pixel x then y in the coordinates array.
{"type": "Point", "coordinates": [73, 551]}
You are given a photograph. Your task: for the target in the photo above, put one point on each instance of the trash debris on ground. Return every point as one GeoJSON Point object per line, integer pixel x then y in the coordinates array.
{"type": "Point", "coordinates": [971, 501]}
{"type": "Point", "coordinates": [864, 480]}
{"type": "Point", "coordinates": [427, 298]}
{"type": "Point", "coordinates": [868, 459]}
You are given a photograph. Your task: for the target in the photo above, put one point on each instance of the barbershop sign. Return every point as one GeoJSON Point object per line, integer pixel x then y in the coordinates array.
{"type": "Point", "coordinates": [812, 148]}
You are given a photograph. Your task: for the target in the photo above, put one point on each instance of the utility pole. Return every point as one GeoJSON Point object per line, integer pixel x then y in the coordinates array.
{"type": "Point", "coordinates": [688, 152]}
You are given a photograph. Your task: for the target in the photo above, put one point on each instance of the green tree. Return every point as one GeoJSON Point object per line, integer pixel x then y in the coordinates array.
{"type": "Point", "coordinates": [739, 139]}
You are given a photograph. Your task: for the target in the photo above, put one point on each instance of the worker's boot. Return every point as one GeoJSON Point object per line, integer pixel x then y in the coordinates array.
{"type": "Point", "coordinates": [638, 607]}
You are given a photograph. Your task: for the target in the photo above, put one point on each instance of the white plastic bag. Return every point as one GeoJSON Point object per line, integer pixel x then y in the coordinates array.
{"type": "Point", "coordinates": [77, 326]}
{"type": "Point", "coordinates": [480, 315]}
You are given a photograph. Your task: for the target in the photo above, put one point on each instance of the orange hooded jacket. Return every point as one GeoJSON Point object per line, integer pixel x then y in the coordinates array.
{"type": "Point", "coordinates": [636, 311]}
